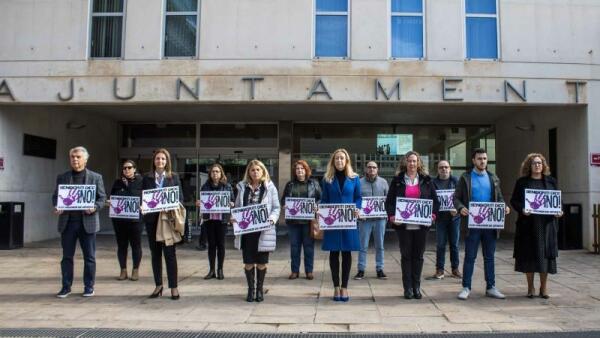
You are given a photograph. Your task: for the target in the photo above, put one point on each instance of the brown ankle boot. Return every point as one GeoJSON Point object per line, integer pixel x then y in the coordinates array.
{"type": "Point", "coordinates": [135, 275]}
{"type": "Point", "coordinates": [123, 275]}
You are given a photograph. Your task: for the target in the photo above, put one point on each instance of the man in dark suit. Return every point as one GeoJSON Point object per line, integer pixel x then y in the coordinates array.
{"type": "Point", "coordinates": [79, 225]}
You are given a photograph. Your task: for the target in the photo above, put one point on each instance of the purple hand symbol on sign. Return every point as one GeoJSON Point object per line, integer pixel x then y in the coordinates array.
{"type": "Point", "coordinates": [119, 207]}
{"type": "Point", "coordinates": [152, 203]}
{"type": "Point", "coordinates": [295, 208]}
{"type": "Point", "coordinates": [369, 207]}
{"type": "Point", "coordinates": [70, 198]}
{"type": "Point", "coordinates": [210, 203]}
{"type": "Point", "coordinates": [331, 217]}
{"type": "Point", "coordinates": [484, 212]}
{"type": "Point", "coordinates": [408, 210]}
{"type": "Point", "coordinates": [537, 201]}
{"type": "Point", "coordinates": [247, 219]}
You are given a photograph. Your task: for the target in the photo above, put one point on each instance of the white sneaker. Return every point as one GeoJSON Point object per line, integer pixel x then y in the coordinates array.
{"type": "Point", "coordinates": [464, 294]}
{"type": "Point", "coordinates": [494, 293]}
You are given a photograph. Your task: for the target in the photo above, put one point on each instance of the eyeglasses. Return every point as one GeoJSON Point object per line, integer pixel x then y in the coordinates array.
{"type": "Point", "coordinates": [127, 168]}
{"type": "Point", "coordinates": [371, 167]}
{"type": "Point", "coordinates": [536, 163]}
{"type": "Point", "coordinates": [443, 167]}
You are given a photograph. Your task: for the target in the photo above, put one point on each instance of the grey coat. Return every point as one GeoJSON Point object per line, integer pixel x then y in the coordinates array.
{"type": "Point", "coordinates": [91, 223]}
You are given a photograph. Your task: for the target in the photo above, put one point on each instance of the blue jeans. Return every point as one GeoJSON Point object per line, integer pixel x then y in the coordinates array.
{"type": "Point", "coordinates": [299, 239]}
{"type": "Point", "coordinates": [377, 226]}
{"type": "Point", "coordinates": [69, 237]}
{"type": "Point", "coordinates": [487, 237]}
{"type": "Point", "coordinates": [447, 232]}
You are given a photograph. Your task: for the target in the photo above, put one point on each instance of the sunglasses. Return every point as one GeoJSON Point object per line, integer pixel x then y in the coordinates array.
{"type": "Point", "coordinates": [127, 168]}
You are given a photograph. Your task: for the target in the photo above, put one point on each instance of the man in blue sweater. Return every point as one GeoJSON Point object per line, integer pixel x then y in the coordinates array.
{"type": "Point", "coordinates": [478, 185]}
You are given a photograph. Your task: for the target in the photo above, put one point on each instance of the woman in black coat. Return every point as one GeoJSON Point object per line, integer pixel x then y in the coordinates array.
{"type": "Point", "coordinates": [215, 225]}
{"type": "Point", "coordinates": [536, 235]}
{"type": "Point", "coordinates": [128, 231]}
{"type": "Point", "coordinates": [161, 177]}
{"type": "Point", "coordinates": [412, 181]}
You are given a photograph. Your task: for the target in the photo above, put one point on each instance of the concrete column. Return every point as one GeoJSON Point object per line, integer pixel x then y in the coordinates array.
{"type": "Point", "coordinates": [285, 153]}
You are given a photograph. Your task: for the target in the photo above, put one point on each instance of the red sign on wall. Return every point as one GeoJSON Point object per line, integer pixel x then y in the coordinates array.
{"type": "Point", "coordinates": [595, 159]}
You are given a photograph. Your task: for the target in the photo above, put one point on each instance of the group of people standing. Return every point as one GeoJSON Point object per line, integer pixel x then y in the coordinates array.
{"type": "Point", "coordinates": [535, 238]}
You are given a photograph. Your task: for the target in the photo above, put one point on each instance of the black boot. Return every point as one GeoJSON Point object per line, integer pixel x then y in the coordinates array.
{"type": "Point", "coordinates": [220, 275]}
{"type": "Point", "coordinates": [211, 274]}
{"type": "Point", "coordinates": [417, 290]}
{"type": "Point", "coordinates": [408, 294]}
{"type": "Point", "coordinates": [250, 281]}
{"type": "Point", "coordinates": [260, 278]}
{"type": "Point", "coordinates": [416, 277]}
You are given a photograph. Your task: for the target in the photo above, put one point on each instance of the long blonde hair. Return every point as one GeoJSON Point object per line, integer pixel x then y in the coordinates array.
{"type": "Point", "coordinates": [330, 173]}
{"type": "Point", "coordinates": [256, 163]}
{"type": "Point", "coordinates": [526, 165]}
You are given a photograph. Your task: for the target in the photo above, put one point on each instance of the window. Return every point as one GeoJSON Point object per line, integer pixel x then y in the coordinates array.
{"type": "Point", "coordinates": [407, 29]}
{"type": "Point", "coordinates": [181, 28]}
{"type": "Point", "coordinates": [331, 28]}
{"type": "Point", "coordinates": [107, 28]}
{"type": "Point", "coordinates": [481, 29]}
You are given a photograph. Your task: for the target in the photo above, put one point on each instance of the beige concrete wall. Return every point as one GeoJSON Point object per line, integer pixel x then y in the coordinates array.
{"type": "Point", "coordinates": [31, 179]}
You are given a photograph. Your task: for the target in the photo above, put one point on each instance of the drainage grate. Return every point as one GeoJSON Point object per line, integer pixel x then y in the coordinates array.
{"type": "Point", "coordinates": [104, 333]}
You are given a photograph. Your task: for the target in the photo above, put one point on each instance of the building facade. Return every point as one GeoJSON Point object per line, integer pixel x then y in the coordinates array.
{"type": "Point", "coordinates": [278, 80]}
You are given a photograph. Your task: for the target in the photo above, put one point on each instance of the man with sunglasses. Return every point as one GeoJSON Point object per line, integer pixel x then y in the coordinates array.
{"type": "Point", "coordinates": [372, 185]}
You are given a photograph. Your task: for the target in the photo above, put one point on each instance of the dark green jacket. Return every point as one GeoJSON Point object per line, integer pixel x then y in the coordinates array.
{"type": "Point", "coordinates": [462, 194]}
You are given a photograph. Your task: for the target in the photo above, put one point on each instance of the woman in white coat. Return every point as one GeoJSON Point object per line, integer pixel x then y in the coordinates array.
{"type": "Point", "coordinates": [257, 188]}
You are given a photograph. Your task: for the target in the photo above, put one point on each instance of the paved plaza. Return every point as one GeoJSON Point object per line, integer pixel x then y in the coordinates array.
{"type": "Point", "coordinates": [30, 277]}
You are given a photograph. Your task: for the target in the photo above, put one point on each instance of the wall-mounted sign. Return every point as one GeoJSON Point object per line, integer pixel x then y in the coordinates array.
{"type": "Point", "coordinates": [595, 159]}
{"type": "Point", "coordinates": [394, 144]}
{"type": "Point", "coordinates": [1, 163]}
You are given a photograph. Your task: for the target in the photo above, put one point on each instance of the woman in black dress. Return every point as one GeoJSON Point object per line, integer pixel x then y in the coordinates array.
{"type": "Point", "coordinates": [128, 231]}
{"type": "Point", "coordinates": [536, 235]}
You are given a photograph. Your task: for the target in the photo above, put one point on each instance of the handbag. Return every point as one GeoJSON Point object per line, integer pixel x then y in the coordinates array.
{"type": "Point", "coordinates": [315, 231]}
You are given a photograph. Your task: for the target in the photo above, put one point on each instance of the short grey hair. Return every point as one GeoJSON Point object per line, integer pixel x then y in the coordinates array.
{"type": "Point", "coordinates": [80, 149]}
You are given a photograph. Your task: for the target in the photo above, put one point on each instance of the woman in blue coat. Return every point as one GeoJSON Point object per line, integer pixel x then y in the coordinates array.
{"type": "Point", "coordinates": [341, 185]}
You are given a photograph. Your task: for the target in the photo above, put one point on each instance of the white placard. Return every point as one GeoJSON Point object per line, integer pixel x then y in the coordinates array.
{"type": "Point", "coordinates": [337, 216]}
{"type": "Point", "coordinates": [486, 215]}
{"type": "Point", "coordinates": [215, 202]}
{"type": "Point", "coordinates": [373, 207]}
{"type": "Point", "coordinates": [76, 197]}
{"type": "Point", "coordinates": [413, 211]}
{"type": "Point", "coordinates": [252, 218]}
{"type": "Point", "coordinates": [127, 207]}
{"type": "Point", "coordinates": [160, 199]}
{"type": "Point", "coordinates": [300, 208]}
{"type": "Point", "coordinates": [543, 202]}
{"type": "Point", "coordinates": [446, 199]}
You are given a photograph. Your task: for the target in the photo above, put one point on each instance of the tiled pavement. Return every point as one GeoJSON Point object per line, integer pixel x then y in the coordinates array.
{"type": "Point", "coordinates": [30, 277]}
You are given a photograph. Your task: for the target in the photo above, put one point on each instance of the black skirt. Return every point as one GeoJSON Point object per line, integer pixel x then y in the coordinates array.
{"type": "Point", "coordinates": [250, 252]}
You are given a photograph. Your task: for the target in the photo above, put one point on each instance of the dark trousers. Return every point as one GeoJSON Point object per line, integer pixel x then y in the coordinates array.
{"type": "Point", "coordinates": [300, 239]}
{"type": "Point", "coordinates": [487, 238]}
{"type": "Point", "coordinates": [128, 233]}
{"type": "Point", "coordinates": [75, 232]}
{"type": "Point", "coordinates": [203, 238]}
{"type": "Point", "coordinates": [157, 249]}
{"type": "Point", "coordinates": [334, 265]}
{"type": "Point", "coordinates": [447, 232]}
{"type": "Point", "coordinates": [412, 248]}
{"type": "Point", "coordinates": [215, 234]}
